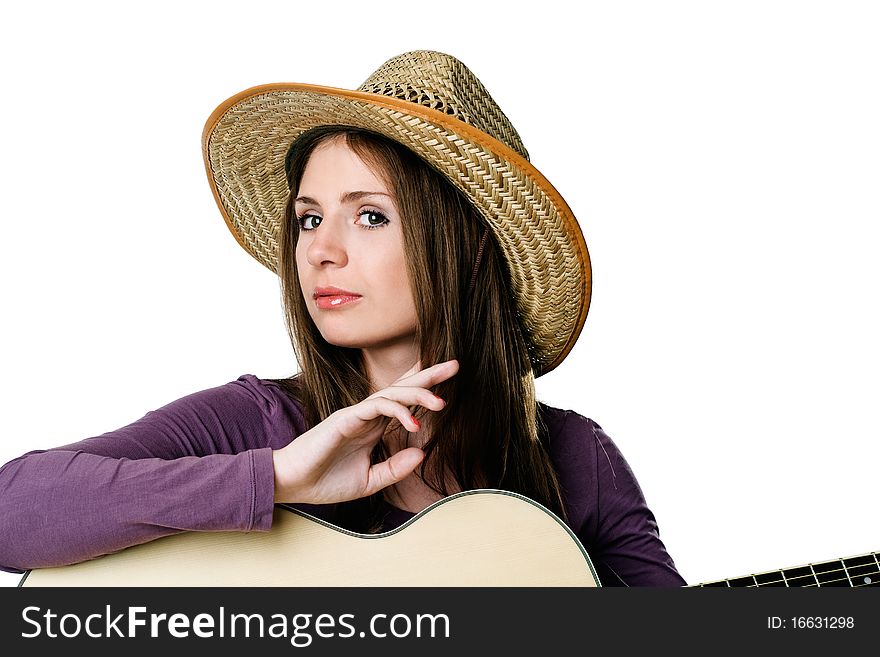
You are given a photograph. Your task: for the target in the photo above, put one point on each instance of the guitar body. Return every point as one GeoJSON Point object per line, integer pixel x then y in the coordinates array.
{"type": "Point", "coordinates": [474, 538]}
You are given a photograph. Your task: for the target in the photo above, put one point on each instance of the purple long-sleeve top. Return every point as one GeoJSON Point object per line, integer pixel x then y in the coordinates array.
{"type": "Point", "coordinates": [204, 463]}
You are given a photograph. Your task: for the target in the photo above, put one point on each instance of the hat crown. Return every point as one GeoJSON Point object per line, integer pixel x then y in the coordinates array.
{"type": "Point", "coordinates": [442, 82]}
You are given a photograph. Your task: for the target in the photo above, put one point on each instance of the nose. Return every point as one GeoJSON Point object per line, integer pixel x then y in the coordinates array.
{"type": "Point", "coordinates": [327, 245]}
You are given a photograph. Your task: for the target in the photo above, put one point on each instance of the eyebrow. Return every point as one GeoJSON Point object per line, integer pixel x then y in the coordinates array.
{"type": "Point", "coordinates": [348, 197]}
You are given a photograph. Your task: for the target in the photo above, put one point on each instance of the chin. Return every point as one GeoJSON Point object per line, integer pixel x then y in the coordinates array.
{"type": "Point", "coordinates": [347, 344]}
{"type": "Point", "coordinates": [343, 340]}
{"type": "Point", "coordinates": [346, 337]}
{"type": "Point", "coordinates": [361, 341]}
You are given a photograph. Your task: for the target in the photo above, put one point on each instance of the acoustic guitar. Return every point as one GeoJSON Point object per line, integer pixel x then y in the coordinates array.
{"type": "Point", "coordinates": [475, 538]}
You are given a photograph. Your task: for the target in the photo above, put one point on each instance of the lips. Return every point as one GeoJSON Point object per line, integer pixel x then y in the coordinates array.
{"type": "Point", "coordinates": [328, 298]}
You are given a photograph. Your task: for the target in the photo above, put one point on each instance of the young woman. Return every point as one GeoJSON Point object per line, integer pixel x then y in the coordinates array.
{"type": "Point", "coordinates": [429, 272]}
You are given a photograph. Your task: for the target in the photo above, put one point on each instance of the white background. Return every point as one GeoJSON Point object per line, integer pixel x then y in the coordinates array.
{"type": "Point", "coordinates": [722, 159]}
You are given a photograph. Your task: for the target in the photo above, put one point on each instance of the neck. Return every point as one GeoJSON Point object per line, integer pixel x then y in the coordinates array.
{"type": "Point", "coordinates": [385, 365]}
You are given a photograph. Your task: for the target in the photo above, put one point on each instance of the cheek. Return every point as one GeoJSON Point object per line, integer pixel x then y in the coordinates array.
{"type": "Point", "coordinates": [302, 273]}
{"type": "Point", "coordinates": [394, 265]}
{"type": "Point", "coordinates": [301, 262]}
{"type": "Point", "coordinates": [404, 294]}
{"type": "Point", "coordinates": [299, 252]}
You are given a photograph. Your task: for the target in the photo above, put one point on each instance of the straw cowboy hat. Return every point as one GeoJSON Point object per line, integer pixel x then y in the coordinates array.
{"type": "Point", "coordinates": [433, 104]}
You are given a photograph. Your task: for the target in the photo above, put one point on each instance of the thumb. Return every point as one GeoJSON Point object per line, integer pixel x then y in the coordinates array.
{"type": "Point", "coordinates": [394, 469]}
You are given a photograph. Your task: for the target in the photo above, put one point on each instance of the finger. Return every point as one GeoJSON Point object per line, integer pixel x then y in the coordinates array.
{"type": "Point", "coordinates": [374, 407]}
{"type": "Point", "coordinates": [430, 376]}
{"type": "Point", "coordinates": [394, 469]}
{"type": "Point", "coordinates": [411, 396]}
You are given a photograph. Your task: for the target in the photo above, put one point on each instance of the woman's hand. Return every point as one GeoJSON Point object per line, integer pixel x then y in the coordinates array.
{"type": "Point", "coordinates": [331, 462]}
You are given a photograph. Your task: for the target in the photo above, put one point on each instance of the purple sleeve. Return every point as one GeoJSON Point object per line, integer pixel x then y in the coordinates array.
{"type": "Point", "coordinates": [607, 509]}
{"type": "Point", "coordinates": [203, 462]}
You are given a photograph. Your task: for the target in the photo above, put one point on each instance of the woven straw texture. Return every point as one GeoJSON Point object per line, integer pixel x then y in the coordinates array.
{"type": "Point", "coordinates": [434, 105]}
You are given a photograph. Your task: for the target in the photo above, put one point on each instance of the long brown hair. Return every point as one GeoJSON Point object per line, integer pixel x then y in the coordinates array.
{"type": "Point", "coordinates": [490, 433]}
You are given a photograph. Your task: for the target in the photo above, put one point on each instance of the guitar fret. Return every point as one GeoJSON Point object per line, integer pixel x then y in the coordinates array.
{"type": "Point", "coordinates": [830, 573]}
{"type": "Point", "coordinates": [748, 580]}
{"type": "Point", "coordinates": [775, 578]}
{"type": "Point", "coordinates": [800, 577]}
{"type": "Point", "coordinates": [863, 570]}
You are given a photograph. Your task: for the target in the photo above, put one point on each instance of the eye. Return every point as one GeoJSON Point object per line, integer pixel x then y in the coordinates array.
{"type": "Point", "coordinates": [374, 219]}
{"type": "Point", "coordinates": [309, 222]}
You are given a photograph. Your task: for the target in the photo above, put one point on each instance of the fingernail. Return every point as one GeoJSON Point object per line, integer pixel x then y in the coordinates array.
{"type": "Point", "coordinates": [415, 421]}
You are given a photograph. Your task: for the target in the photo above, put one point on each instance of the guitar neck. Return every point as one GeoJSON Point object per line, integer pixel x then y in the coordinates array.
{"type": "Point", "coordinates": [853, 572]}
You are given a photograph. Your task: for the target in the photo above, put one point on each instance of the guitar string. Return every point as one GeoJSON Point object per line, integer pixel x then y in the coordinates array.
{"type": "Point", "coordinates": [873, 582]}
{"type": "Point", "coordinates": [836, 571]}
{"type": "Point", "coordinates": [811, 576]}
{"type": "Point", "coordinates": [854, 584]}
{"type": "Point", "coordinates": [857, 578]}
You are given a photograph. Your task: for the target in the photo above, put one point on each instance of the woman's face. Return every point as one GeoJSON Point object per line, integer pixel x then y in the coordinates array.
{"type": "Point", "coordinates": [350, 257]}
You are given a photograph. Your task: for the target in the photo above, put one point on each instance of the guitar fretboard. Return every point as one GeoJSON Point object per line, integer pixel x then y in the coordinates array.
{"type": "Point", "coordinates": [853, 572]}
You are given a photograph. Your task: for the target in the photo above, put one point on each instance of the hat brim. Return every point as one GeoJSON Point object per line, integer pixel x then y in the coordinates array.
{"type": "Point", "coordinates": [246, 140]}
